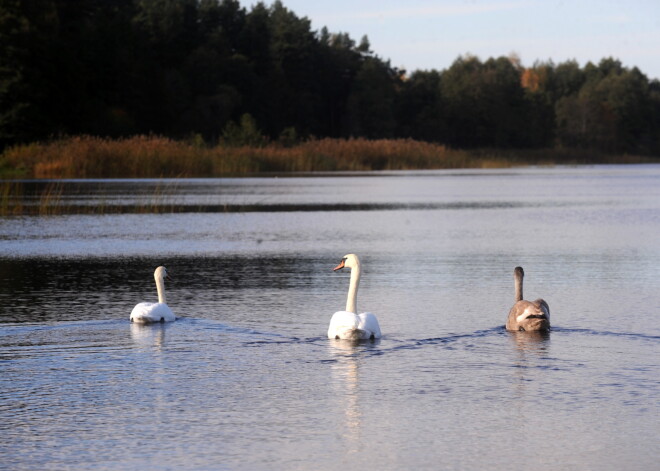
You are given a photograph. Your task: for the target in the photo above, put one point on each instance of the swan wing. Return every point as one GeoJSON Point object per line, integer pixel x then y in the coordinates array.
{"type": "Point", "coordinates": [369, 324]}
{"type": "Point", "coordinates": [147, 313]}
{"type": "Point", "coordinates": [543, 306]}
{"type": "Point", "coordinates": [343, 325]}
{"type": "Point", "coordinates": [518, 313]}
{"type": "Point", "coordinates": [521, 311]}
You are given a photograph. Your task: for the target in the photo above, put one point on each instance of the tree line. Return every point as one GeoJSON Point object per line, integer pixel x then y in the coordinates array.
{"type": "Point", "coordinates": [209, 68]}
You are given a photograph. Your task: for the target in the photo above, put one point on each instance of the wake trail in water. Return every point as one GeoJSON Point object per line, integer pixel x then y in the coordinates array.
{"type": "Point", "coordinates": [373, 348]}
{"type": "Point", "coordinates": [632, 335]}
{"type": "Point", "coordinates": [390, 344]}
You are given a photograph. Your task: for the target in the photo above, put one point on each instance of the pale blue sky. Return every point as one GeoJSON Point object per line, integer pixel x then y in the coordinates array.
{"type": "Point", "coordinates": [424, 34]}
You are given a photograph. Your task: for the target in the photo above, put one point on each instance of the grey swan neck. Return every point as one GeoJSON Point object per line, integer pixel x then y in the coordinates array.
{"type": "Point", "coordinates": [519, 286]}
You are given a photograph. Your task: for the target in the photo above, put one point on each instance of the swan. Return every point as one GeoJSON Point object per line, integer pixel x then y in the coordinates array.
{"type": "Point", "coordinates": [347, 324]}
{"type": "Point", "coordinates": [526, 315]}
{"type": "Point", "coordinates": [146, 313]}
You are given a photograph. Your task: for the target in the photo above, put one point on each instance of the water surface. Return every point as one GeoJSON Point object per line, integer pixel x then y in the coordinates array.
{"type": "Point", "coordinates": [246, 378]}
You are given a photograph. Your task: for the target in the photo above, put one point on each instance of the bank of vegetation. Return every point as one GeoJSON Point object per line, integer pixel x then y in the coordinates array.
{"type": "Point", "coordinates": [202, 88]}
{"type": "Point", "coordinates": [158, 157]}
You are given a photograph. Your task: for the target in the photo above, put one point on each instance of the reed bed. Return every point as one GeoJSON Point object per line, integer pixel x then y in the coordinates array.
{"type": "Point", "coordinates": [94, 157]}
{"type": "Point", "coordinates": [154, 157]}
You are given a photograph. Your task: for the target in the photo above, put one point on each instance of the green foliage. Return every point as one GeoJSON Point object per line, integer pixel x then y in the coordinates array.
{"type": "Point", "coordinates": [288, 137]}
{"type": "Point", "coordinates": [484, 103]}
{"type": "Point", "coordinates": [420, 109]}
{"type": "Point", "coordinates": [246, 133]}
{"type": "Point", "coordinates": [612, 111]}
{"type": "Point", "coordinates": [371, 102]}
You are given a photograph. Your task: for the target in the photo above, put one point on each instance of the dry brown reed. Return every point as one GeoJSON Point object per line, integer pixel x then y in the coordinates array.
{"type": "Point", "coordinates": [155, 157]}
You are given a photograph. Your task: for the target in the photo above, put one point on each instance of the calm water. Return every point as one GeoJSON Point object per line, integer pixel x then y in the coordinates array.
{"type": "Point", "coordinates": [246, 378]}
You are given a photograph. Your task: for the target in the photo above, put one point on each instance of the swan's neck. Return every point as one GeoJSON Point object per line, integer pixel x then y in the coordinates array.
{"type": "Point", "coordinates": [351, 302]}
{"type": "Point", "coordinates": [160, 286]}
{"type": "Point", "coordinates": [519, 288]}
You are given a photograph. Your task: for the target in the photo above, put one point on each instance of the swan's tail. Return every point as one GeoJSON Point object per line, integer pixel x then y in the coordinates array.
{"type": "Point", "coordinates": [354, 334]}
{"type": "Point", "coordinates": [147, 320]}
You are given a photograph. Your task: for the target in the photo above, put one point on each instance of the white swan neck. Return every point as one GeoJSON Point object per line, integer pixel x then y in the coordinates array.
{"type": "Point", "coordinates": [160, 286]}
{"type": "Point", "coordinates": [351, 301]}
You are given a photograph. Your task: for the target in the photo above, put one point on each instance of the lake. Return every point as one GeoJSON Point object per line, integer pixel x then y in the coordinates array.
{"type": "Point", "coordinates": [246, 378]}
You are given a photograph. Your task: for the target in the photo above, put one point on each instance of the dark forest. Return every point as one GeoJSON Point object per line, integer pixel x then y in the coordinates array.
{"type": "Point", "coordinates": [182, 68]}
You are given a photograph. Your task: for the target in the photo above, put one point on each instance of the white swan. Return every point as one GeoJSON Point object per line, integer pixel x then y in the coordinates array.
{"type": "Point", "coordinates": [347, 324]}
{"type": "Point", "coordinates": [146, 313]}
{"type": "Point", "coordinates": [527, 315]}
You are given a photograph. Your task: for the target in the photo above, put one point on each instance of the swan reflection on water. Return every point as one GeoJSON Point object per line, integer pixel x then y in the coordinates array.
{"type": "Point", "coordinates": [529, 356]}
{"type": "Point", "coordinates": [346, 382]}
{"type": "Point", "coordinates": [531, 342]}
{"type": "Point", "coordinates": [148, 335]}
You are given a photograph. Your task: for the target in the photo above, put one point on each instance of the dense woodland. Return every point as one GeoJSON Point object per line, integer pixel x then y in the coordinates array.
{"type": "Point", "coordinates": [221, 72]}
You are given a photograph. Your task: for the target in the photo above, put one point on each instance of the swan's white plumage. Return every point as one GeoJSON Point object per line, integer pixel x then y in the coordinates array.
{"type": "Point", "coordinates": [147, 313]}
{"type": "Point", "coordinates": [348, 324]}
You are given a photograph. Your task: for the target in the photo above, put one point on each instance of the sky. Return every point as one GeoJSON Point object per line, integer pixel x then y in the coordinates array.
{"type": "Point", "coordinates": [423, 34]}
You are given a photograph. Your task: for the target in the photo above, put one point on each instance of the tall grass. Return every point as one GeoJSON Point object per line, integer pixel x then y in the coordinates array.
{"type": "Point", "coordinates": [154, 157]}
{"type": "Point", "coordinates": [93, 157]}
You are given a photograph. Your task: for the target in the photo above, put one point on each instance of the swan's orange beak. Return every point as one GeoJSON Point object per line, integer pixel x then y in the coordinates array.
{"type": "Point", "coordinates": [340, 266]}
